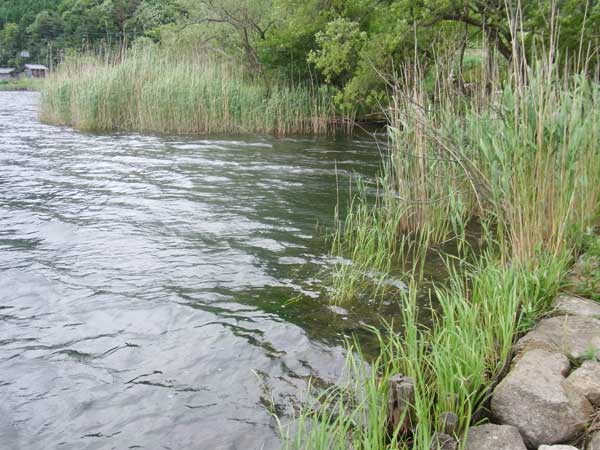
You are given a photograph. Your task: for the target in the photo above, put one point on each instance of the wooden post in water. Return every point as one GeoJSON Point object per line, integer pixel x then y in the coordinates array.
{"type": "Point", "coordinates": [401, 399]}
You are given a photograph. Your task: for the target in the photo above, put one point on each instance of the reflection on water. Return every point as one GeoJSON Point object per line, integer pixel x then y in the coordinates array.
{"type": "Point", "coordinates": [145, 284]}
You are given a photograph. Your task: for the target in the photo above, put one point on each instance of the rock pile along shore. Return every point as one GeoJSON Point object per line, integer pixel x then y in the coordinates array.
{"type": "Point", "coordinates": [551, 395]}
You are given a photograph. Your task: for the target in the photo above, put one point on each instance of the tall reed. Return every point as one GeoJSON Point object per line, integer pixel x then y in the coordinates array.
{"type": "Point", "coordinates": [454, 363]}
{"type": "Point", "coordinates": [521, 158]}
{"type": "Point", "coordinates": [150, 90]}
{"type": "Point", "coordinates": [538, 155]}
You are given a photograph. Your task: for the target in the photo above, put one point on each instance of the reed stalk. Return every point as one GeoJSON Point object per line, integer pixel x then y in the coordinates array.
{"type": "Point", "coordinates": [519, 157]}
{"type": "Point", "coordinates": [149, 90]}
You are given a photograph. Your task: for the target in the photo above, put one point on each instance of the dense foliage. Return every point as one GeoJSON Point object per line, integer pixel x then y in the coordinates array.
{"type": "Point", "coordinates": [349, 44]}
{"type": "Point", "coordinates": [47, 30]}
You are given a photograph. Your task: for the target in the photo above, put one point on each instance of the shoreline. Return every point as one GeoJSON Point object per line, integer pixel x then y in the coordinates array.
{"type": "Point", "coordinates": [21, 86]}
{"type": "Point", "coordinates": [458, 367]}
{"type": "Point", "coordinates": [549, 396]}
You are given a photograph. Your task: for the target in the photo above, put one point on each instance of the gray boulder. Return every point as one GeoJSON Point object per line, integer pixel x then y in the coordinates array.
{"type": "Point", "coordinates": [497, 437]}
{"type": "Point", "coordinates": [443, 441]}
{"type": "Point", "coordinates": [574, 336]}
{"type": "Point", "coordinates": [586, 380]}
{"type": "Point", "coordinates": [532, 398]}
{"type": "Point", "coordinates": [569, 305]}
{"type": "Point", "coordinates": [557, 447]}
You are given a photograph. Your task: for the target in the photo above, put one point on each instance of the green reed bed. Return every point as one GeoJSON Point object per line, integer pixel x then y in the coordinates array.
{"type": "Point", "coordinates": [521, 160]}
{"type": "Point", "coordinates": [454, 362]}
{"type": "Point", "coordinates": [22, 84]}
{"type": "Point", "coordinates": [538, 157]}
{"type": "Point", "coordinates": [147, 90]}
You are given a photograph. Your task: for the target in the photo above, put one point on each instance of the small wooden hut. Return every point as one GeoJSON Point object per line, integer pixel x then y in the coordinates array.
{"type": "Point", "coordinates": [35, 71]}
{"type": "Point", "coordinates": [8, 73]}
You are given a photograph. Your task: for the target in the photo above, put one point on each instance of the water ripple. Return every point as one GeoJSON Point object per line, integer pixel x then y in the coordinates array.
{"type": "Point", "coordinates": [145, 284]}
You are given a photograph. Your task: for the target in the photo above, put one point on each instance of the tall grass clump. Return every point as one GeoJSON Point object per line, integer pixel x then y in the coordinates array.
{"type": "Point", "coordinates": [520, 157]}
{"type": "Point", "coordinates": [425, 194]}
{"type": "Point", "coordinates": [369, 245]}
{"type": "Point", "coordinates": [150, 90]}
{"type": "Point", "coordinates": [454, 362]}
{"type": "Point", "coordinates": [538, 155]}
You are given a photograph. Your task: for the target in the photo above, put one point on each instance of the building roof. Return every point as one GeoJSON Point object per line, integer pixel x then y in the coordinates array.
{"type": "Point", "coordinates": [35, 67]}
{"type": "Point", "coordinates": [6, 70]}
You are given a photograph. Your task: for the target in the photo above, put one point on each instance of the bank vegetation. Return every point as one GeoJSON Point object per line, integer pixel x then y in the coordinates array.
{"type": "Point", "coordinates": [152, 90]}
{"type": "Point", "coordinates": [517, 159]}
{"type": "Point", "coordinates": [493, 123]}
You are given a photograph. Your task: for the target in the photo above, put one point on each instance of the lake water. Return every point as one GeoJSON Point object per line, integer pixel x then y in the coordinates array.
{"type": "Point", "coordinates": [164, 292]}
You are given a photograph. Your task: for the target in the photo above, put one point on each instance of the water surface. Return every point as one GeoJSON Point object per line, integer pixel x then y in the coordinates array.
{"type": "Point", "coordinates": [164, 292]}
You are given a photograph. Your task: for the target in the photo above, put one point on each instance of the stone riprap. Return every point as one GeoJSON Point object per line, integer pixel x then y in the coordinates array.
{"type": "Point", "coordinates": [534, 398]}
{"type": "Point", "coordinates": [586, 379]}
{"type": "Point", "coordinates": [557, 447]}
{"type": "Point", "coordinates": [544, 399]}
{"type": "Point", "coordinates": [497, 437]}
{"type": "Point", "coordinates": [594, 441]}
{"type": "Point", "coordinates": [577, 337]}
{"type": "Point", "coordinates": [568, 305]}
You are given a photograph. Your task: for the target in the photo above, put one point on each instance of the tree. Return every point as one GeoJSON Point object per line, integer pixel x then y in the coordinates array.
{"type": "Point", "coordinates": [150, 16]}
{"type": "Point", "coordinates": [9, 43]}
{"type": "Point", "coordinates": [338, 46]}
{"type": "Point", "coordinates": [123, 10]}
{"type": "Point", "coordinates": [245, 22]}
{"type": "Point", "coordinates": [46, 27]}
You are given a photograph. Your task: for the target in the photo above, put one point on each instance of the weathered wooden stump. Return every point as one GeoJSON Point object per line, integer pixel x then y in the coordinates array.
{"type": "Point", "coordinates": [401, 399]}
{"type": "Point", "coordinates": [448, 423]}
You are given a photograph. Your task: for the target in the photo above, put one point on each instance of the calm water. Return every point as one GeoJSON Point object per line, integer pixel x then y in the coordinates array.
{"type": "Point", "coordinates": [163, 292]}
